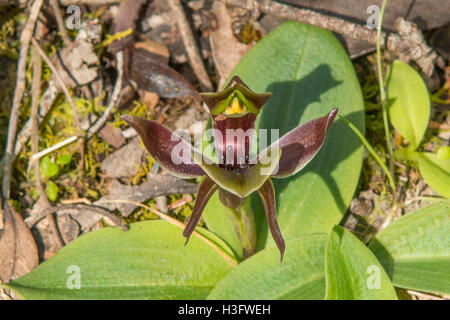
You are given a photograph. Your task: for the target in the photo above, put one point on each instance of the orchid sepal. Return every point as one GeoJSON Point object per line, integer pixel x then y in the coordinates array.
{"type": "Point", "coordinates": [267, 195]}
{"type": "Point", "coordinates": [301, 144]}
{"type": "Point", "coordinates": [160, 143]}
{"type": "Point", "coordinates": [206, 190]}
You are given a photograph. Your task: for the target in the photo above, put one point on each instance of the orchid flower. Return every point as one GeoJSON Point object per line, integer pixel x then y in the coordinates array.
{"type": "Point", "coordinates": [238, 172]}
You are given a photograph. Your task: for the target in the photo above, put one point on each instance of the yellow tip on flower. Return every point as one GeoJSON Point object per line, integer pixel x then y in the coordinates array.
{"type": "Point", "coordinates": [235, 107]}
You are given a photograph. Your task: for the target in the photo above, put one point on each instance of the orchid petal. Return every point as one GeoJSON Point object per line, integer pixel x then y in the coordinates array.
{"type": "Point", "coordinates": [301, 144]}
{"type": "Point", "coordinates": [267, 195]}
{"type": "Point", "coordinates": [243, 181]}
{"type": "Point", "coordinates": [205, 191]}
{"type": "Point", "coordinates": [161, 142]}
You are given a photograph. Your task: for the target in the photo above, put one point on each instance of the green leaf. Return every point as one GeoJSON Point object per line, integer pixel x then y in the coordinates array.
{"type": "Point", "coordinates": [48, 167]}
{"type": "Point", "coordinates": [309, 73]}
{"type": "Point", "coordinates": [217, 218]}
{"type": "Point", "coordinates": [415, 249]}
{"type": "Point", "coordinates": [149, 261]}
{"type": "Point", "coordinates": [409, 102]}
{"type": "Point", "coordinates": [435, 172]}
{"type": "Point", "coordinates": [64, 159]}
{"type": "Point", "coordinates": [52, 190]}
{"type": "Point", "coordinates": [352, 271]}
{"type": "Point", "coordinates": [261, 277]}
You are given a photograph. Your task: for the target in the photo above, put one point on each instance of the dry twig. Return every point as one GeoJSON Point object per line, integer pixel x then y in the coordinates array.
{"type": "Point", "coordinates": [18, 95]}
{"type": "Point", "coordinates": [408, 41]}
{"type": "Point", "coordinates": [59, 20]}
{"type": "Point", "coordinates": [47, 99]}
{"type": "Point", "coordinates": [190, 45]}
{"type": "Point", "coordinates": [66, 208]}
{"type": "Point", "coordinates": [36, 89]}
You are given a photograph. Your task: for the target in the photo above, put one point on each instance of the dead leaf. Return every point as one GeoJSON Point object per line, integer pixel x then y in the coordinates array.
{"type": "Point", "coordinates": [226, 49]}
{"type": "Point", "coordinates": [153, 76]}
{"type": "Point", "coordinates": [19, 254]}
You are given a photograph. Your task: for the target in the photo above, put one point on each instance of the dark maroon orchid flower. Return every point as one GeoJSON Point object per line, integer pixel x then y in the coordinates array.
{"type": "Point", "coordinates": [237, 171]}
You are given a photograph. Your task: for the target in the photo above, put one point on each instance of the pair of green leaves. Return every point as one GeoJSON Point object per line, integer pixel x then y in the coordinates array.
{"type": "Point", "coordinates": [315, 266]}
{"type": "Point", "coordinates": [413, 251]}
{"type": "Point", "coordinates": [149, 262]}
{"type": "Point", "coordinates": [409, 113]}
{"type": "Point", "coordinates": [50, 169]}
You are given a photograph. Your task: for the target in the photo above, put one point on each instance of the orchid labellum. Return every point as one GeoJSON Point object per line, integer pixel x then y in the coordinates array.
{"type": "Point", "coordinates": [237, 172]}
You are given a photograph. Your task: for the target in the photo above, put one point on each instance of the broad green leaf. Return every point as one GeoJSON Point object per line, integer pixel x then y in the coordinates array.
{"type": "Point", "coordinates": [48, 167]}
{"type": "Point", "coordinates": [309, 73]}
{"type": "Point", "coordinates": [261, 277]}
{"type": "Point", "coordinates": [435, 172]}
{"type": "Point", "coordinates": [409, 102]}
{"type": "Point", "coordinates": [149, 261]}
{"type": "Point", "coordinates": [52, 190]}
{"type": "Point", "coordinates": [352, 271]}
{"type": "Point", "coordinates": [415, 249]}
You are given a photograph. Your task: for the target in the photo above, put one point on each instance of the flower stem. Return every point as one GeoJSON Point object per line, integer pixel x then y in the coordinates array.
{"type": "Point", "coordinates": [241, 215]}
{"type": "Point", "coordinates": [244, 225]}
{"type": "Point", "coordinates": [382, 91]}
{"type": "Point", "coordinates": [384, 103]}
